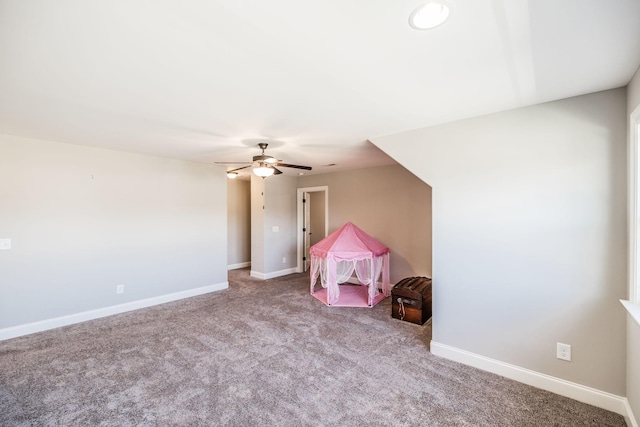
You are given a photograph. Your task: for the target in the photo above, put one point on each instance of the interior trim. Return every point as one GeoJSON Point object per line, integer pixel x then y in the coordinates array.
{"type": "Point", "coordinates": [581, 393]}
{"type": "Point", "coordinates": [300, 220]}
{"type": "Point", "coordinates": [272, 275]}
{"type": "Point", "coordinates": [630, 418]}
{"type": "Point", "coordinates": [633, 309]}
{"type": "Point", "coordinates": [633, 184]}
{"type": "Point", "coordinates": [239, 265]}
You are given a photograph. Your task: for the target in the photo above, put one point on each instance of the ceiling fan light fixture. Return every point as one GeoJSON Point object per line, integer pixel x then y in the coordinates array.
{"type": "Point", "coordinates": [263, 165]}
{"type": "Point", "coordinates": [429, 15]}
{"type": "Point", "coordinates": [263, 171]}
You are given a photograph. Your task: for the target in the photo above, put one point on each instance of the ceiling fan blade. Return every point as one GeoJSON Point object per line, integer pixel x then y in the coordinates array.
{"type": "Point", "coordinates": [230, 163]}
{"type": "Point", "coordinates": [287, 165]}
{"type": "Point", "coordinates": [264, 160]}
{"type": "Point", "coordinates": [235, 170]}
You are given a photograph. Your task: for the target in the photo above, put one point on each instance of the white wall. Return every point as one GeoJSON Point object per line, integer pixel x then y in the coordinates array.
{"type": "Point", "coordinates": [83, 220]}
{"type": "Point", "coordinates": [280, 211]}
{"type": "Point", "coordinates": [633, 92]}
{"type": "Point", "coordinates": [238, 222]}
{"type": "Point", "coordinates": [273, 204]}
{"type": "Point", "coordinates": [257, 226]}
{"type": "Point", "coordinates": [529, 234]}
{"type": "Point", "coordinates": [390, 204]}
{"type": "Point", "coordinates": [633, 329]}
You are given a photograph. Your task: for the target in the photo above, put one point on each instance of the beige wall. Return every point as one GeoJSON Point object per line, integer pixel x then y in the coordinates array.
{"type": "Point", "coordinates": [529, 234]}
{"type": "Point", "coordinates": [238, 222]}
{"type": "Point", "coordinates": [633, 329]}
{"type": "Point", "coordinates": [390, 204]}
{"type": "Point", "coordinates": [83, 220]}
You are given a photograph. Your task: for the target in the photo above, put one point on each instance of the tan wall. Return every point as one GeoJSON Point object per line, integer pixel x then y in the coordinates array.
{"type": "Point", "coordinates": [390, 204]}
{"type": "Point", "coordinates": [238, 221]}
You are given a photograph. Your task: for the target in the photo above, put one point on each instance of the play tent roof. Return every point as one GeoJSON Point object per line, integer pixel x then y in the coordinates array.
{"type": "Point", "coordinates": [348, 243]}
{"type": "Point", "coordinates": [346, 251]}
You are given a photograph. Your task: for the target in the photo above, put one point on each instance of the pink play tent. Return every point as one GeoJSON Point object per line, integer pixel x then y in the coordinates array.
{"type": "Point", "coordinates": [336, 257]}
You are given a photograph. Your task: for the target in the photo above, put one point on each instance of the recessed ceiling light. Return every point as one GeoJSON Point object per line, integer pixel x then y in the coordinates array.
{"type": "Point", "coordinates": [429, 15]}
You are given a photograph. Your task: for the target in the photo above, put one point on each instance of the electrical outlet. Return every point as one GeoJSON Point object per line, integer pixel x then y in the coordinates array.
{"type": "Point", "coordinates": [564, 352]}
{"type": "Point", "coordinates": [120, 289]}
{"type": "Point", "coordinates": [5, 244]}
{"type": "Point", "coordinates": [284, 259]}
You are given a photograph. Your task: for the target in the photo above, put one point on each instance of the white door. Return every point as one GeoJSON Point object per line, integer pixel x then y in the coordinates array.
{"type": "Point", "coordinates": [305, 220]}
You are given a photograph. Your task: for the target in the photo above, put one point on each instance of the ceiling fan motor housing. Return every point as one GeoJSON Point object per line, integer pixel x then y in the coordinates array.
{"type": "Point", "coordinates": [264, 158]}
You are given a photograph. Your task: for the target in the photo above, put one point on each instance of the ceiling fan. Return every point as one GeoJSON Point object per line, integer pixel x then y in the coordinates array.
{"type": "Point", "coordinates": [263, 165]}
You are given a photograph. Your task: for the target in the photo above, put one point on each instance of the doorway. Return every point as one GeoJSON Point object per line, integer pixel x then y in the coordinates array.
{"type": "Point", "coordinates": [313, 221]}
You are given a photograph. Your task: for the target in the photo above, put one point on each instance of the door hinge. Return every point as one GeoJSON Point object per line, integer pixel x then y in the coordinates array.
{"type": "Point", "coordinates": [304, 258]}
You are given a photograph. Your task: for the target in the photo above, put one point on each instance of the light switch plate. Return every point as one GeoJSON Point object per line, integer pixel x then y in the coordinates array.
{"type": "Point", "coordinates": [5, 244]}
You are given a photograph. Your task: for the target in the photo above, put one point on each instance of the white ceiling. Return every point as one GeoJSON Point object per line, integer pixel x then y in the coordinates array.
{"type": "Point", "coordinates": [203, 80]}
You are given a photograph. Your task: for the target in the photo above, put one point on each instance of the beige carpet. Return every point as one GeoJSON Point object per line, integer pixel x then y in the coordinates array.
{"type": "Point", "coordinates": [262, 353]}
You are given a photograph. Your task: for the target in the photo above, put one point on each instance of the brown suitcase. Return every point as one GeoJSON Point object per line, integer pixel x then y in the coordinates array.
{"type": "Point", "coordinates": [411, 300]}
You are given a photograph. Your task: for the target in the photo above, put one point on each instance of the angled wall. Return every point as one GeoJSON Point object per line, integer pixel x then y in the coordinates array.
{"type": "Point", "coordinates": [529, 234]}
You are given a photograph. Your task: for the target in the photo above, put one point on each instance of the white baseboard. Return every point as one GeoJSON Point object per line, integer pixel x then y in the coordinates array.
{"type": "Point", "coordinates": [265, 276]}
{"type": "Point", "coordinates": [239, 265]}
{"type": "Point", "coordinates": [44, 325]}
{"type": "Point", "coordinates": [629, 417]}
{"type": "Point", "coordinates": [581, 393]}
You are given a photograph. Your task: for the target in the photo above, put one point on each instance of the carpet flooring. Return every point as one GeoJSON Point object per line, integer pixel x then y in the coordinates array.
{"type": "Point", "coordinates": [262, 353]}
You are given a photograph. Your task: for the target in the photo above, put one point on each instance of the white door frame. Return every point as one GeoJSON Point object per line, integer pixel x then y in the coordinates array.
{"type": "Point", "coordinates": [300, 196]}
{"type": "Point", "coordinates": [634, 205]}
